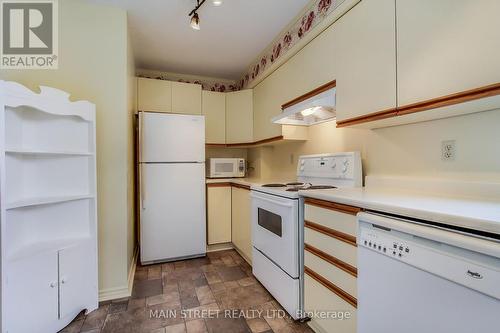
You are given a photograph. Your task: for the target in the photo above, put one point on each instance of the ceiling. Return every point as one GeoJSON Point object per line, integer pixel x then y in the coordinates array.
{"type": "Point", "coordinates": [231, 36]}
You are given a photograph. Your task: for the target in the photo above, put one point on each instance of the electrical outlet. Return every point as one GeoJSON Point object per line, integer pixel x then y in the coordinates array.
{"type": "Point", "coordinates": [448, 150]}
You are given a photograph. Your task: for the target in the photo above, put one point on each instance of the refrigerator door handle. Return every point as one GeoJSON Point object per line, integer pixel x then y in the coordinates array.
{"type": "Point", "coordinates": [141, 185]}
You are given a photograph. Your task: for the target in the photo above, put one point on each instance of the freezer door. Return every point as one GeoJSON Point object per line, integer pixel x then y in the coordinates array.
{"type": "Point", "coordinates": [172, 211]}
{"type": "Point", "coordinates": [171, 137]}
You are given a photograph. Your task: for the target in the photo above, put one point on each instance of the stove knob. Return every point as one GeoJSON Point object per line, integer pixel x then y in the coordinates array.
{"type": "Point", "coordinates": [302, 162]}
{"type": "Point", "coordinates": [302, 168]}
{"type": "Point", "coordinates": [344, 169]}
{"type": "Point", "coordinates": [334, 165]}
{"type": "Point", "coordinates": [346, 162]}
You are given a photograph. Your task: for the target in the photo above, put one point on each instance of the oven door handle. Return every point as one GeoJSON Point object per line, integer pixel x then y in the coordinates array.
{"type": "Point", "coordinates": [271, 201]}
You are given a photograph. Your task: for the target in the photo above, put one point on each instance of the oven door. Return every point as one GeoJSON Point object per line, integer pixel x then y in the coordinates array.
{"type": "Point", "coordinates": [275, 224]}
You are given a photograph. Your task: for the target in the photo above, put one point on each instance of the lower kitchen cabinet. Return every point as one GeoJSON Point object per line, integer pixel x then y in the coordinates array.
{"type": "Point", "coordinates": [50, 288]}
{"type": "Point", "coordinates": [330, 279]}
{"type": "Point", "coordinates": [219, 213]}
{"type": "Point", "coordinates": [241, 221]}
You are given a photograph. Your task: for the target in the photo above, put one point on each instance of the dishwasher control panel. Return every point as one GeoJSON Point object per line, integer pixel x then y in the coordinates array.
{"type": "Point", "coordinates": [382, 242]}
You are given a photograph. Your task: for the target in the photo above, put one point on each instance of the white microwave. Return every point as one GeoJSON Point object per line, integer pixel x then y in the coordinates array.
{"type": "Point", "coordinates": [226, 167]}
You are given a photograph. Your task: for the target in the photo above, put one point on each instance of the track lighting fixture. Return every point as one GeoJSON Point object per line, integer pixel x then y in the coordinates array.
{"type": "Point", "coordinates": [195, 22]}
{"type": "Point", "coordinates": [195, 18]}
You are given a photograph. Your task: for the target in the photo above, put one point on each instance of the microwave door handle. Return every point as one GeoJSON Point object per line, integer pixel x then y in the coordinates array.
{"type": "Point", "coordinates": [274, 202]}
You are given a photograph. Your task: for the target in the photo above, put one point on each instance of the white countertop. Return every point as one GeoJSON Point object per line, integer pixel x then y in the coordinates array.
{"type": "Point", "coordinates": [241, 181]}
{"type": "Point", "coordinates": [479, 213]}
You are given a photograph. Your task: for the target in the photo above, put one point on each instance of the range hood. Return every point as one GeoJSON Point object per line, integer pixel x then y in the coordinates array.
{"type": "Point", "coordinates": [309, 109]}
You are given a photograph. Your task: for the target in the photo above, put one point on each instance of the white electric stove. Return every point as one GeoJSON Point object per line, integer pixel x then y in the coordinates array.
{"type": "Point", "coordinates": [278, 223]}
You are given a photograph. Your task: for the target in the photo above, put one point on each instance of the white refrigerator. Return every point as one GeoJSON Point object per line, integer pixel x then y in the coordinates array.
{"type": "Point", "coordinates": [172, 187]}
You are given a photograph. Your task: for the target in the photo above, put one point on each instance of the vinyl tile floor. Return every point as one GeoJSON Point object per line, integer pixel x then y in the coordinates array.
{"type": "Point", "coordinates": [215, 294]}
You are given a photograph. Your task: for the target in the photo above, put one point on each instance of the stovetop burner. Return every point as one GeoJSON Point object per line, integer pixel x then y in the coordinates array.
{"type": "Point", "coordinates": [274, 185]}
{"type": "Point", "coordinates": [320, 187]}
{"type": "Point", "coordinates": [309, 187]}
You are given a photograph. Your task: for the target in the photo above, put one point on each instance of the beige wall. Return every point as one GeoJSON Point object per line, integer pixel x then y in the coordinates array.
{"type": "Point", "coordinates": [93, 66]}
{"type": "Point", "coordinates": [404, 150]}
{"type": "Point", "coordinates": [131, 158]}
{"type": "Point", "coordinates": [413, 149]}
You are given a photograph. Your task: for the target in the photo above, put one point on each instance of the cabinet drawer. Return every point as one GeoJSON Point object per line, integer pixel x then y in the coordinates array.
{"type": "Point", "coordinates": [320, 298]}
{"type": "Point", "coordinates": [332, 246]}
{"type": "Point", "coordinates": [336, 220]}
{"type": "Point", "coordinates": [334, 274]}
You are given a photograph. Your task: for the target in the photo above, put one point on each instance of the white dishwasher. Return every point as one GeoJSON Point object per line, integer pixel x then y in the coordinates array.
{"type": "Point", "coordinates": [416, 278]}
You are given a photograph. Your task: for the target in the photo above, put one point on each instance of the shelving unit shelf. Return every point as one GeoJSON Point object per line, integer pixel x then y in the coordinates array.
{"type": "Point", "coordinates": [48, 221]}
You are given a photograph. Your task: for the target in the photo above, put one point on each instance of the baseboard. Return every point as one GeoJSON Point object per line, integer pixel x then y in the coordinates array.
{"type": "Point", "coordinates": [315, 327]}
{"type": "Point", "coordinates": [131, 273]}
{"type": "Point", "coordinates": [248, 260]}
{"type": "Point", "coordinates": [121, 292]}
{"type": "Point", "coordinates": [219, 247]}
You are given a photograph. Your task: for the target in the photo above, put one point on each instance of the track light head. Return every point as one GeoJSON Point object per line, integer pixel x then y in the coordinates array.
{"type": "Point", "coordinates": [195, 21]}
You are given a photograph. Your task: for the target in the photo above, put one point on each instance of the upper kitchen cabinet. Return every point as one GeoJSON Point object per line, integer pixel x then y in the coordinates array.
{"type": "Point", "coordinates": [446, 47]}
{"type": "Point", "coordinates": [366, 59]}
{"type": "Point", "coordinates": [186, 98]}
{"type": "Point", "coordinates": [167, 96]}
{"type": "Point", "coordinates": [154, 95]}
{"type": "Point", "coordinates": [239, 116]}
{"type": "Point", "coordinates": [214, 110]}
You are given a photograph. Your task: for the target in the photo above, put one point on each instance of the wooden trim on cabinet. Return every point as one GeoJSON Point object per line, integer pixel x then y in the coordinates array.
{"type": "Point", "coordinates": [224, 184]}
{"type": "Point", "coordinates": [346, 238]}
{"type": "Point", "coordinates": [243, 187]}
{"type": "Point", "coordinates": [332, 260]}
{"type": "Point", "coordinates": [215, 145]}
{"type": "Point", "coordinates": [457, 98]}
{"type": "Point", "coordinates": [310, 94]}
{"type": "Point", "coordinates": [244, 144]}
{"type": "Point", "coordinates": [351, 210]}
{"type": "Point", "coordinates": [434, 103]}
{"type": "Point", "coordinates": [333, 288]}
{"type": "Point", "coordinates": [389, 113]}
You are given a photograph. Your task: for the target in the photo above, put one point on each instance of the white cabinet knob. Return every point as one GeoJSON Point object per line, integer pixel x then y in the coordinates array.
{"type": "Point", "coordinates": [53, 284]}
{"type": "Point", "coordinates": [64, 280]}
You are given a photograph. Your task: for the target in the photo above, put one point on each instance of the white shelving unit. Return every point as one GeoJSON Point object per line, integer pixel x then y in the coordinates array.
{"type": "Point", "coordinates": [48, 221]}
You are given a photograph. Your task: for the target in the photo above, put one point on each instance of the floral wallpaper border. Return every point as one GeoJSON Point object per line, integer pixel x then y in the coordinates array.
{"type": "Point", "coordinates": [211, 85]}
{"type": "Point", "coordinates": [314, 15]}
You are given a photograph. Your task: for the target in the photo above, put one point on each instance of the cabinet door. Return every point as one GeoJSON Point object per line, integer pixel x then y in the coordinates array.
{"type": "Point", "coordinates": [186, 98]}
{"type": "Point", "coordinates": [219, 214]}
{"type": "Point", "coordinates": [154, 95]}
{"type": "Point", "coordinates": [366, 59]}
{"type": "Point", "coordinates": [77, 279]}
{"type": "Point", "coordinates": [446, 47]}
{"type": "Point", "coordinates": [241, 221]}
{"type": "Point", "coordinates": [239, 116]}
{"type": "Point", "coordinates": [214, 110]}
{"type": "Point", "coordinates": [32, 294]}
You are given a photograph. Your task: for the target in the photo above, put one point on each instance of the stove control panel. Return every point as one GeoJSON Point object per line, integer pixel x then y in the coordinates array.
{"type": "Point", "coordinates": [345, 167]}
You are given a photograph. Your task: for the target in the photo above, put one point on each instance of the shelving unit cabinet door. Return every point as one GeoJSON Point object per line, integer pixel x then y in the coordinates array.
{"type": "Point", "coordinates": [186, 98]}
{"type": "Point", "coordinates": [77, 279]}
{"type": "Point", "coordinates": [241, 222]}
{"type": "Point", "coordinates": [154, 95]}
{"type": "Point", "coordinates": [239, 116]}
{"type": "Point", "coordinates": [366, 59]}
{"type": "Point", "coordinates": [446, 47]}
{"type": "Point", "coordinates": [31, 294]}
{"type": "Point", "coordinates": [219, 214]}
{"type": "Point", "coordinates": [214, 110]}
